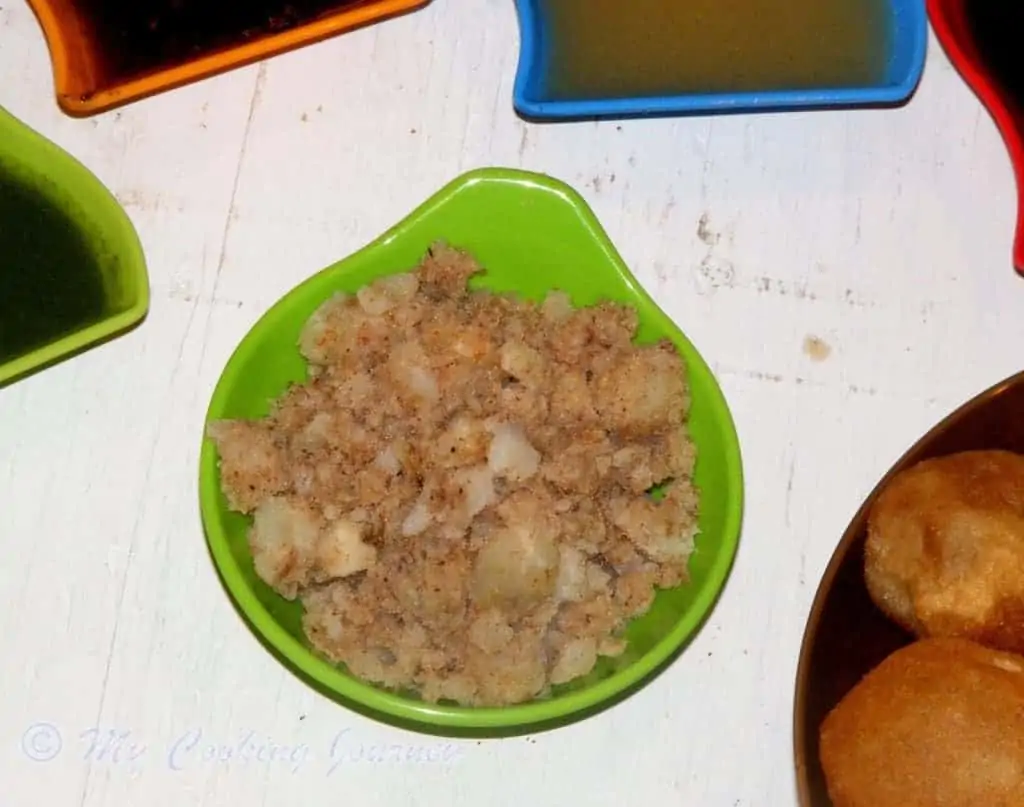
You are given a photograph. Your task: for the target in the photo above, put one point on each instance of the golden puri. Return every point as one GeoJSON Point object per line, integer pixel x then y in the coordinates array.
{"type": "Point", "coordinates": [939, 723]}
{"type": "Point", "coordinates": [945, 548]}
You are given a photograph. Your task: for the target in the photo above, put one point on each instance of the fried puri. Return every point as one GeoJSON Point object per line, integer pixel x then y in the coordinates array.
{"type": "Point", "coordinates": [945, 549]}
{"type": "Point", "coordinates": [939, 723]}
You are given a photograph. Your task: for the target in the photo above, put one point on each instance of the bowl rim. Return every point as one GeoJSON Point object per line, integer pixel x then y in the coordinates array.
{"type": "Point", "coordinates": [52, 19]}
{"type": "Point", "coordinates": [418, 713]}
{"type": "Point", "coordinates": [886, 93]}
{"type": "Point", "coordinates": [982, 83]}
{"type": "Point", "coordinates": [851, 534]}
{"type": "Point", "coordinates": [32, 151]}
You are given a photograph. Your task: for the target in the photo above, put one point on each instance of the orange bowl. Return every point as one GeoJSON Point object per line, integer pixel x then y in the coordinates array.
{"type": "Point", "coordinates": [105, 55]}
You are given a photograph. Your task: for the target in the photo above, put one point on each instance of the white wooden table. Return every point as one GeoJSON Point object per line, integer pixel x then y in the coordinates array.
{"type": "Point", "coordinates": [851, 284]}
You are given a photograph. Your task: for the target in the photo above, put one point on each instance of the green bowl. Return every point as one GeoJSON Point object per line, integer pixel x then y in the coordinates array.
{"type": "Point", "coordinates": [34, 162]}
{"type": "Point", "coordinates": [533, 234]}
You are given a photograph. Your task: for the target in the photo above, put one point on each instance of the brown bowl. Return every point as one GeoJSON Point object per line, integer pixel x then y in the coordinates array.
{"type": "Point", "coordinates": [846, 635]}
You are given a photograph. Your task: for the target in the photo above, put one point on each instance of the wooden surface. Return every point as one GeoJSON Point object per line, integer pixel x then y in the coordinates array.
{"type": "Point", "coordinates": [847, 275]}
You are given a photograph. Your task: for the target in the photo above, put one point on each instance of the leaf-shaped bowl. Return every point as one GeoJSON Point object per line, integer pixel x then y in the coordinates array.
{"type": "Point", "coordinates": [89, 209]}
{"type": "Point", "coordinates": [106, 53]}
{"type": "Point", "coordinates": [533, 100]}
{"type": "Point", "coordinates": [846, 635]}
{"type": "Point", "coordinates": [533, 234]}
{"type": "Point", "coordinates": [953, 30]}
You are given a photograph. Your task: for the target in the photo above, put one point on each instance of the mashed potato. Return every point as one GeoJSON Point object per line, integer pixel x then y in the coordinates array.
{"type": "Point", "coordinates": [461, 493]}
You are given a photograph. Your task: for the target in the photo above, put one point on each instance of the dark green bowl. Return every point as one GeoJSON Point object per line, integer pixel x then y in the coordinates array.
{"type": "Point", "coordinates": [47, 170]}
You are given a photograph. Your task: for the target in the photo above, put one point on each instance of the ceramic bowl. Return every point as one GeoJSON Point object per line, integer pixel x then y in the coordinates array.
{"type": "Point", "coordinates": [89, 55]}
{"type": "Point", "coordinates": [44, 168]}
{"type": "Point", "coordinates": [533, 234]}
{"type": "Point", "coordinates": [909, 38]}
{"type": "Point", "coordinates": [846, 635]}
{"type": "Point", "coordinates": [954, 34]}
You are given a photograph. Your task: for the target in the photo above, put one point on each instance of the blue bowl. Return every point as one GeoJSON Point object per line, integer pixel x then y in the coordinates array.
{"type": "Point", "coordinates": [909, 26]}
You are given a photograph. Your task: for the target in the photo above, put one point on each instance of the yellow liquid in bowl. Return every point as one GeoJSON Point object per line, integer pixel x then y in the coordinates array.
{"type": "Point", "coordinates": [618, 48]}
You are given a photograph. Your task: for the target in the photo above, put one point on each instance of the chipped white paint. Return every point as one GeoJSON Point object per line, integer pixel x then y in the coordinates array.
{"type": "Point", "coordinates": [883, 234]}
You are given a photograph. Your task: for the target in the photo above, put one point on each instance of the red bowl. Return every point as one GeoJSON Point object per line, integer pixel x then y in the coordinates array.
{"type": "Point", "coordinates": [954, 34]}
